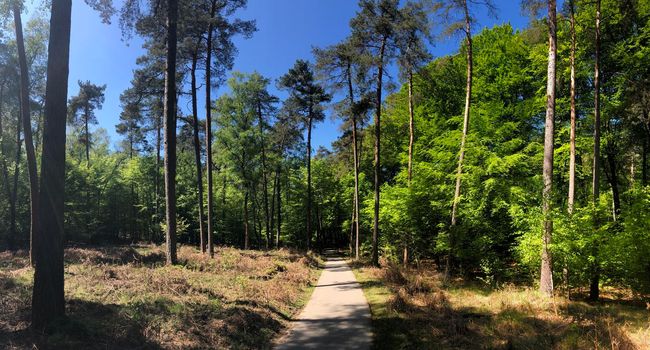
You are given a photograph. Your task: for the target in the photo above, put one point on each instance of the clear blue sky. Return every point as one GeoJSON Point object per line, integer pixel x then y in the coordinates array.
{"type": "Point", "coordinates": [287, 30]}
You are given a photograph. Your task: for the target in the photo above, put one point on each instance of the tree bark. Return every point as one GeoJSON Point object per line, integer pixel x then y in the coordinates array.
{"type": "Point", "coordinates": [170, 130]}
{"type": "Point", "coordinates": [375, 228]}
{"type": "Point", "coordinates": [13, 200]}
{"type": "Point", "coordinates": [411, 127]}
{"type": "Point", "coordinates": [572, 140]}
{"type": "Point", "coordinates": [48, 303]}
{"type": "Point", "coordinates": [309, 194]}
{"type": "Point", "coordinates": [355, 211]}
{"type": "Point", "coordinates": [87, 141]}
{"type": "Point", "coordinates": [197, 151]}
{"type": "Point", "coordinates": [208, 128]}
{"type": "Point", "coordinates": [264, 176]}
{"type": "Point", "coordinates": [27, 126]}
{"type": "Point", "coordinates": [466, 115]}
{"type": "Point", "coordinates": [594, 292]}
{"type": "Point", "coordinates": [546, 276]}
{"type": "Point", "coordinates": [246, 221]}
{"type": "Point", "coordinates": [279, 213]}
{"type": "Point", "coordinates": [644, 163]}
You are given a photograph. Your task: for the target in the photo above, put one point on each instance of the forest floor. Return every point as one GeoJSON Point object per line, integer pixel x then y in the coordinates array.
{"type": "Point", "coordinates": [126, 298]}
{"type": "Point", "coordinates": [411, 308]}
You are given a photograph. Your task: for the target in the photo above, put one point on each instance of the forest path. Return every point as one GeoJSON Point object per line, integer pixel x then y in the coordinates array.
{"type": "Point", "coordinates": [336, 317]}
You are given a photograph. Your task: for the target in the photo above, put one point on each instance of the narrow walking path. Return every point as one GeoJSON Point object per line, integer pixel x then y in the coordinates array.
{"type": "Point", "coordinates": [336, 317]}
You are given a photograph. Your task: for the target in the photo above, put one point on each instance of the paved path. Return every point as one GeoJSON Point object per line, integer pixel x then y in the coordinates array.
{"type": "Point", "coordinates": [336, 317]}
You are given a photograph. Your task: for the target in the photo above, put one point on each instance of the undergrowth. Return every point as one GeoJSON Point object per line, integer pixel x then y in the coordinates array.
{"type": "Point", "coordinates": [125, 297]}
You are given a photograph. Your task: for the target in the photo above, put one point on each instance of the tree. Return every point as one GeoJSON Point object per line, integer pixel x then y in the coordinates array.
{"type": "Point", "coordinates": [594, 291]}
{"type": "Point", "coordinates": [82, 110]}
{"type": "Point", "coordinates": [170, 131]}
{"type": "Point", "coordinates": [412, 33]}
{"type": "Point", "coordinates": [374, 25]}
{"type": "Point", "coordinates": [344, 67]}
{"type": "Point", "coordinates": [305, 100]}
{"type": "Point", "coordinates": [219, 37]}
{"type": "Point", "coordinates": [461, 6]}
{"type": "Point", "coordinates": [572, 137]}
{"type": "Point", "coordinates": [546, 277]}
{"type": "Point", "coordinates": [265, 106]}
{"type": "Point", "coordinates": [27, 123]}
{"type": "Point", "coordinates": [48, 303]}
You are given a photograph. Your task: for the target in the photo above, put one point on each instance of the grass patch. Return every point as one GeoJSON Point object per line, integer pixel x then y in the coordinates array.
{"type": "Point", "coordinates": [126, 298]}
{"type": "Point", "coordinates": [412, 309]}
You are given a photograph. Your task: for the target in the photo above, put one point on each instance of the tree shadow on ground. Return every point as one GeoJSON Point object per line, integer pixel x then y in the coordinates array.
{"type": "Point", "coordinates": [433, 322]}
{"type": "Point", "coordinates": [147, 324]}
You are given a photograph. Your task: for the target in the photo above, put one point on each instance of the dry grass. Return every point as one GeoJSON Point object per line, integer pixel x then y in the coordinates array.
{"type": "Point", "coordinates": [125, 297]}
{"type": "Point", "coordinates": [413, 309]}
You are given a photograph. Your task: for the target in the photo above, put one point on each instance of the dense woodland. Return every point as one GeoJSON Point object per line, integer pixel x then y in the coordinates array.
{"type": "Point", "coordinates": [522, 158]}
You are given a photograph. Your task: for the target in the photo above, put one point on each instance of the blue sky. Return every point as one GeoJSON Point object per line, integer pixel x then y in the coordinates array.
{"type": "Point", "coordinates": [287, 30]}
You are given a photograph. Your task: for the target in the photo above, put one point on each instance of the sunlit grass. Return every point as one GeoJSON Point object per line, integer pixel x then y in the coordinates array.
{"type": "Point", "coordinates": [412, 308]}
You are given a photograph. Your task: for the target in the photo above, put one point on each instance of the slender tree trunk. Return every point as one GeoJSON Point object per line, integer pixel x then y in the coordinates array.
{"type": "Point", "coordinates": [644, 163]}
{"type": "Point", "coordinates": [48, 303]}
{"type": "Point", "coordinates": [13, 200]}
{"type": "Point", "coordinates": [375, 229]}
{"type": "Point", "coordinates": [170, 130]}
{"type": "Point", "coordinates": [463, 140]}
{"type": "Point", "coordinates": [411, 127]}
{"type": "Point", "coordinates": [223, 211]}
{"type": "Point", "coordinates": [157, 176]}
{"type": "Point", "coordinates": [3, 162]}
{"type": "Point", "coordinates": [405, 257]}
{"type": "Point", "coordinates": [264, 176]}
{"type": "Point", "coordinates": [246, 221]}
{"type": "Point", "coordinates": [468, 100]}
{"type": "Point", "coordinates": [309, 194]}
{"type": "Point", "coordinates": [272, 213]}
{"type": "Point", "coordinates": [355, 153]}
{"type": "Point", "coordinates": [572, 141]}
{"type": "Point", "coordinates": [279, 213]}
{"type": "Point", "coordinates": [594, 291]}
{"type": "Point", "coordinates": [86, 130]}
{"type": "Point", "coordinates": [208, 128]}
{"type": "Point", "coordinates": [613, 181]}
{"type": "Point", "coordinates": [546, 278]}
{"type": "Point", "coordinates": [197, 151]}
{"type": "Point", "coordinates": [27, 127]}
{"type": "Point", "coordinates": [596, 165]}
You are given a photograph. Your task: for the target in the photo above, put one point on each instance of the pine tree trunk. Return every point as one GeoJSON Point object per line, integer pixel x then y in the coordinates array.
{"type": "Point", "coordinates": [208, 128]}
{"type": "Point", "coordinates": [272, 212]}
{"type": "Point", "coordinates": [546, 276]}
{"type": "Point", "coordinates": [86, 130]}
{"type": "Point", "coordinates": [644, 163]}
{"type": "Point", "coordinates": [594, 291]}
{"type": "Point", "coordinates": [246, 221]}
{"type": "Point", "coordinates": [48, 302]}
{"type": "Point", "coordinates": [309, 194]}
{"type": "Point", "coordinates": [572, 140]}
{"type": "Point", "coordinates": [613, 182]}
{"type": "Point", "coordinates": [197, 152]}
{"type": "Point", "coordinates": [355, 154]}
{"type": "Point", "coordinates": [13, 200]}
{"type": "Point", "coordinates": [375, 228]}
{"type": "Point", "coordinates": [411, 127]}
{"type": "Point", "coordinates": [279, 213]}
{"type": "Point", "coordinates": [157, 176]}
{"type": "Point", "coordinates": [27, 126]}
{"type": "Point", "coordinates": [170, 131]}
{"type": "Point", "coordinates": [265, 185]}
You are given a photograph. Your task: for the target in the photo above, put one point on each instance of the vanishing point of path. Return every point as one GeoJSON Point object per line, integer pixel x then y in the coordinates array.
{"type": "Point", "coordinates": [336, 317]}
